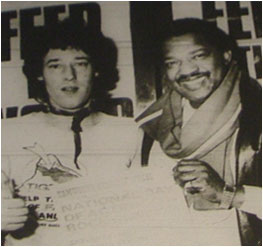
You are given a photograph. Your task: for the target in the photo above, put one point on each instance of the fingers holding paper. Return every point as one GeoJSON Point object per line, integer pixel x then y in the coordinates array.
{"type": "Point", "coordinates": [200, 182]}
{"type": "Point", "coordinates": [14, 213]}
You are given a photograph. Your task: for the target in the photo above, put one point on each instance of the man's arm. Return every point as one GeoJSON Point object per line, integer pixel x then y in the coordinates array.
{"type": "Point", "coordinates": [211, 192]}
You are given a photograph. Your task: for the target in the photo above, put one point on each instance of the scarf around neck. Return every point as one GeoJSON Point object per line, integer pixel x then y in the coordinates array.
{"type": "Point", "coordinates": [216, 112]}
{"type": "Point", "coordinates": [77, 118]}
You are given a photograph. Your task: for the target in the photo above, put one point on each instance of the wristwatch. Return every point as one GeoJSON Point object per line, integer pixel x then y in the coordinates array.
{"type": "Point", "coordinates": [228, 196]}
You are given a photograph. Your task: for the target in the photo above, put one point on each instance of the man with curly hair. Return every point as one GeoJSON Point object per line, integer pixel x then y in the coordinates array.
{"type": "Point", "coordinates": [70, 69]}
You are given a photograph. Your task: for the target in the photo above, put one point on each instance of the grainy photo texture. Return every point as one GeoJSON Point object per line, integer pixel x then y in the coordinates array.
{"type": "Point", "coordinates": [131, 123]}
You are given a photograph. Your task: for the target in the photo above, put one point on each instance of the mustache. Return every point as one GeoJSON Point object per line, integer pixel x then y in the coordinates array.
{"type": "Point", "coordinates": [194, 75]}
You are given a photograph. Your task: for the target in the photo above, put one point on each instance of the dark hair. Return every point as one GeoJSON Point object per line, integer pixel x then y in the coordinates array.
{"type": "Point", "coordinates": [204, 29]}
{"type": "Point", "coordinates": [78, 35]}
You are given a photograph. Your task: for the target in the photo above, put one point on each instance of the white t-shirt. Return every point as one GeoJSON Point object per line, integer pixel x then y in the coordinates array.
{"type": "Point", "coordinates": [38, 153]}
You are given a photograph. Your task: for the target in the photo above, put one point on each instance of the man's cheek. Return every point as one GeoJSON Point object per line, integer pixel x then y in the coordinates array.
{"type": "Point", "coordinates": [171, 84]}
{"type": "Point", "coordinates": [171, 75]}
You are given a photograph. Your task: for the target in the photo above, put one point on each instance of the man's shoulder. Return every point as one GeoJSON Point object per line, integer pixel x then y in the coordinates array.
{"type": "Point", "coordinates": [23, 120]}
{"type": "Point", "coordinates": [154, 110]}
{"type": "Point", "coordinates": [101, 119]}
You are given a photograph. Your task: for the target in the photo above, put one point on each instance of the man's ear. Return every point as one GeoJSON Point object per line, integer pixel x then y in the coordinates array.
{"type": "Point", "coordinates": [227, 57]}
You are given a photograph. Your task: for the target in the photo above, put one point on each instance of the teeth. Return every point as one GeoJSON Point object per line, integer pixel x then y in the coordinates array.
{"type": "Point", "coordinates": [193, 84]}
{"type": "Point", "coordinates": [195, 77]}
{"type": "Point", "coordinates": [192, 78]}
{"type": "Point", "coordinates": [69, 89]}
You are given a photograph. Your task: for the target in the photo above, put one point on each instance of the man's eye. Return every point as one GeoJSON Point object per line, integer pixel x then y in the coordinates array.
{"type": "Point", "coordinates": [170, 64]}
{"type": "Point", "coordinates": [82, 64]}
{"type": "Point", "coordinates": [201, 56]}
{"type": "Point", "coordinates": [54, 66]}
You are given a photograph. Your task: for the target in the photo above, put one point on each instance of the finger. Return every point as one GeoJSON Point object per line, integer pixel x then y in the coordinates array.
{"type": "Point", "coordinates": [187, 176]}
{"type": "Point", "coordinates": [15, 203]}
{"type": "Point", "coordinates": [191, 188]}
{"type": "Point", "coordinates": [195, 179]}
{"type": "Point", "coordinates": [13, 227]}
{"type": "Point", "coordinates": [179, 168]}
{"type": "Point", "coordinates": [192, 176]}
{"type": "Point", "coordinates": [17, 219]}
{"type": "Point", "coordinates": [199, 183]}
{"type": "Point", "coordinates": [175, 171]}
{"type": "Point", "coordinates": [14, 212]}
{"type": "Point", "coordinates": [191, 168]}
{"type": "Point", "coordinates": [182, 179]}
{"type": "Point", "coordinates": [178, 180]}
{"type": "Point", "coordinates": [186, 168]}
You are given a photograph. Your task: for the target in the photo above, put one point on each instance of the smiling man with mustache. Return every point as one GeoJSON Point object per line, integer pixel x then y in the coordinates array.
{"type": "Point", "coordinates": [208, 125]}
{"type": "Point", "coordinates": [193, 68]}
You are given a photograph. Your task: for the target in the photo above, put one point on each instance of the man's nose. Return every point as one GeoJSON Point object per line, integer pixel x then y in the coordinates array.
{"type": "Point", "coordinates": [187, 67]}
{"type": "Point", "coordinates": [69, 72]}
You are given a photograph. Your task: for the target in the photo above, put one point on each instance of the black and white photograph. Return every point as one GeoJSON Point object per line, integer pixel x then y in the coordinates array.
{"type": "Point", "coordinates": [131, 123]}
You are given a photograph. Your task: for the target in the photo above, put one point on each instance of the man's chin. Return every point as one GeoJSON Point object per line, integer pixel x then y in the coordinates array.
{"type": "Point", "coordinates": [71, 108]}
{"type": "Point", "coordinates": [196, 101]}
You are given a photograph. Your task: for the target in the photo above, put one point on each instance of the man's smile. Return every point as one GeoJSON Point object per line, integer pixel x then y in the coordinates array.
{"type": "Point", "coordinates": [194, 82]}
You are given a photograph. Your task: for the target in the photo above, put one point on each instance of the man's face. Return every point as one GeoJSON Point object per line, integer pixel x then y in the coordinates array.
{"type": "Point", "coordinates": [68, 78]}
{"type": "Point", "coordinates": [192, 67]}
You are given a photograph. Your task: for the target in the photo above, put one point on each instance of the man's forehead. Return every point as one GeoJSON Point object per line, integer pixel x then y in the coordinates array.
{"type": "Point", "coordinates": [185, 40]}
{"type": "Point", "coordinates": [66, 53]}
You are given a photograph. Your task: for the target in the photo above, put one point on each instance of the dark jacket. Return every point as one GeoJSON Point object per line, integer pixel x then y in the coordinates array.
{"type": "Point", "coordinates": [250, 173]}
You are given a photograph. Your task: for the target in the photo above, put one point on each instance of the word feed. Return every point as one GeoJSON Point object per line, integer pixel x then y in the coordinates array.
{"type": "Point", "coordinates": [242, 20]}
{"type": "Point", "coordinates": [33, 19]}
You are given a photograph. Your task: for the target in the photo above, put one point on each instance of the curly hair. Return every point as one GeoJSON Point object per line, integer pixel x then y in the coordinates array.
{"type": "Point", "coordinates": [205, 30]}
{"type": "Point", "coordinates": [63, 35]}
